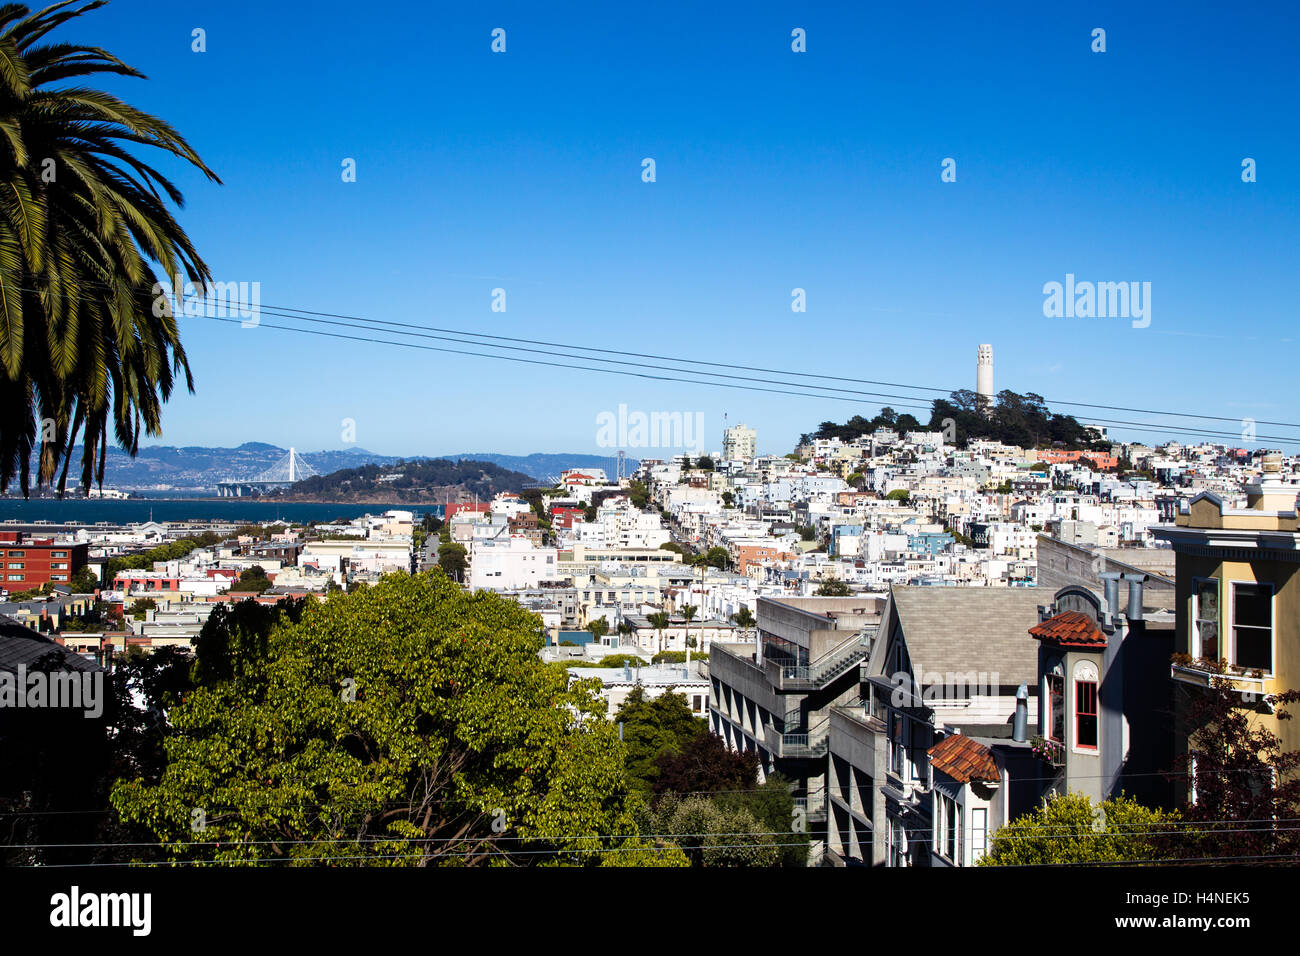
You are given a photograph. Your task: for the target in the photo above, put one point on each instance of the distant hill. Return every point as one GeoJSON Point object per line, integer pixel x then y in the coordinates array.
{"type": "Point", "coordinates": [419, 481]}
{"type": "Point", "coordinates": [541, 466]}
{"type": "Point", "coordinates": [196, 469]}
{"type": "Point", "coordinates": [199, 468]}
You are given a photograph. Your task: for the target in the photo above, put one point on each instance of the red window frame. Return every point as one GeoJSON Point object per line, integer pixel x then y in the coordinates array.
{"type": "Point", "coordinates": [1085, 705]}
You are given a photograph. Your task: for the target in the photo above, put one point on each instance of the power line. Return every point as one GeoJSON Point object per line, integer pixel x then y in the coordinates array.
{"type": "Point", "coordinates": [1201, 432]}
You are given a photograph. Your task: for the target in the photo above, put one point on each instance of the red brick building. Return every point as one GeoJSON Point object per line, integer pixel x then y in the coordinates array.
{"type": "Point", "coordinates": [27, 562]}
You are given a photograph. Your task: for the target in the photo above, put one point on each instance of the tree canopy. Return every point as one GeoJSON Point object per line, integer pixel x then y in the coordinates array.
{"type": "Point", "coordinates": [405, 723]}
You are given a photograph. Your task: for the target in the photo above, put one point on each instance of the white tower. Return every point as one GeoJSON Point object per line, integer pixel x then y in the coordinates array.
{"type": "Point", "coordinates": [984, 373]}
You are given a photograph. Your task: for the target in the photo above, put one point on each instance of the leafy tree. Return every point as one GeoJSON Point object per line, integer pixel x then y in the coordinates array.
{"type": "Point", "coordinates": [652, 726]}
{"type": "Point", "coordinates": [898, 494]}
{"type": "Point", "coordinates": [728, 499]}
{"type": "Point", "coordinates": [833, 587]}
{"type": "Point", "coordinates": [85, 343]}
{"type": "Point", "coordinates": [452, 560]}
{"type": "Point", "coordinates": [1070, 829]}
{"type": "Point", "coordinates": [84, 582]}
{"type": "Point", "coordinates": [705, 765]}
{"type": "Point", "coordinates": [677, 657]}
{"type": "Point", "coordinates": [717, 558]}
{"type": "Point", "coordinates": [712, 835]}
{"type": "Point", "coordinates": [705, 463]}
{"type": "Point", "coordinates": [252, 579]}
{"type": "Point", "coordinates": [598, 627]}
{"type": "Point", "coordinates": [1243, 778]}
{"type": "Point", "coordinates": [772, 804]}
{"type": "Point", "coordinates": [140, 606]}
{"type": "Point", "coordinates": [408, 723]}
{"type": "Point", "coordinates": [744, 618]}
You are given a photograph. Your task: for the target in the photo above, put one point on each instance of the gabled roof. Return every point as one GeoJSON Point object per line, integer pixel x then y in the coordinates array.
{"type": "Point", "coordinates": [22, 645]}
{"type": "Point", "coordinates": [970, 629]}
{"type": "Point", "coordinates": [964, 759]}
{"type": "Point", "coordinates": [1070, 629]}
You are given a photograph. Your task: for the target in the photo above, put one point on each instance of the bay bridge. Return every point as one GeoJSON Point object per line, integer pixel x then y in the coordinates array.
{"type": "Point", "coordinates": [282, 474]}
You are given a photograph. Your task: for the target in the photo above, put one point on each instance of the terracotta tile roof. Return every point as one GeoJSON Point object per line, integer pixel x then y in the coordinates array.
{"type": "Point", "coordinates": [964, 759]}
{"type": "Point", "coordinates": [1070, 629]}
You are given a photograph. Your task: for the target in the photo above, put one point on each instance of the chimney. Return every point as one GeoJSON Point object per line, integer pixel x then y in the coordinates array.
{"type": "Point", "coordinates": [1019, 727]}
{"type": "Point", "coordinates": [1110, 583]}
{"type": "Point", "coordinates": [1135, 582]}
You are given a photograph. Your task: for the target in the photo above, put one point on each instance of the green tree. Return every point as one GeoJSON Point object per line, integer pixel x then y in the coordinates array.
{"type": "Point", "coordinates": [252, 579]}
{"type": "Point", "coordinates": [85, 341]}
{"type": "Point", "coordinates": [84, 582]}
{"type": "Point", "coordinates": [744, 618]}
{"type": "Point", "coordinates": [1070, 829]}
{"type": "Point", "coordinates": [833, 587]}
{"type": "Point", "coordinates": [452, 560]}
{"type": "Point", "coordinates": [140, 606]}
{"type": "Point", "coordinates": [408, 723]}
{"type": "Point", "coordinates": [717, 558]}
{"type": "Point", "coordinates": [710, 834]}
{"type": "Point", "coordinates": [598, 627]}
{"type": "Point", "coordinates": [705, 463]}
{"type": "Point", "coordinates": [659, 621]}
{"type": "Point", "coordinates": [898, 494]}
{"type": "Point", "coordinates": [651, 727]}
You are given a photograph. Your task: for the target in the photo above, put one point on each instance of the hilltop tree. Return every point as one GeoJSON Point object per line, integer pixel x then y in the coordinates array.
{"type": "Point", "coordinates": [408, 723]}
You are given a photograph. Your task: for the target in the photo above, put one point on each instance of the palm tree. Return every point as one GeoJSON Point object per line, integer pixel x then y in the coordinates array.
{"type": "Point", "coordinates": [659, 621]}
{"type": "Point", "coordinates": [688, 612]}
{"type": "Point", "coordinates": [86, 341]}
{"type": "Point", "coordinates": [744, 618]}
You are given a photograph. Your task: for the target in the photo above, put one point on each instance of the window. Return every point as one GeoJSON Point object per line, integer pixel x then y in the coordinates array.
{"type": "Point", "coordinates": [979, 832]}
{"type": "Point", "coordinates": [1205, 619]}
{"type": "Point", "coordinates": [1252, 626]}
{"type": "Point", "coordinates": [895, 744]}
{"type": "Point", "coordinates": [15, 577]}
{"type": "Point", "coordinates": [58, 554]}
{"type": "Point", "coordinates": [1056, 707]}
{"type": "Point", "coordinates": [1085, 714]}
{"type": "Point", "coordinates": [17, 554]}
{"type": "Point", "coordinates": [949, 824]}
{"type": "Point", "coordinates": [16, 565]}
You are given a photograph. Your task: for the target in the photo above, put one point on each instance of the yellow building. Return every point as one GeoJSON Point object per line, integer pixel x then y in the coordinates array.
{"type": "Point", "coordinates": [1238, 597]}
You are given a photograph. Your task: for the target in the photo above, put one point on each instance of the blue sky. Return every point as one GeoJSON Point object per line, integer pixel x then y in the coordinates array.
{"type": "Point", "coordinates": [775, 170]}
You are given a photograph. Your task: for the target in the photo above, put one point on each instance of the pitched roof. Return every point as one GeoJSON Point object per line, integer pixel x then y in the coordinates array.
{"type": "Point", "coordinates": [964, 759]}
{"type": "Point", "coordinates": [1070, 629]}
{"type": "Point", "coordinates": [22, 645]}
{"type": "Point", "coordinates": [971, 629]}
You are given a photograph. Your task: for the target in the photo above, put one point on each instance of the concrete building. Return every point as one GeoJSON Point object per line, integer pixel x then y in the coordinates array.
{"type": "Point", "coordinates": [774, 697]}
{"type": "Point", "coordinates": [739, 443]}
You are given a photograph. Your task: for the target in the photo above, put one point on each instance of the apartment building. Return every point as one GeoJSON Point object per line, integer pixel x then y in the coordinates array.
{"type": "Point", "coordinates": [31, 562]}
{"type": "Point", "coordinates": [1237, 598]}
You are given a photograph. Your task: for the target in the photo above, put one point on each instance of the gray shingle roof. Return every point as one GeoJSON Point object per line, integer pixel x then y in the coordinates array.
{"type": "Point", "coordinates": [972, 629]}
{"type": "Point", "coordinates": [22, 645]}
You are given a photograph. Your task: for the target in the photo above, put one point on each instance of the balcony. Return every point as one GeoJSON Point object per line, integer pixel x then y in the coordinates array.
{"type": "Point", "coordinates": [813, 742]}
{"type": "Point", "coordinates": [1203, 673]}
{"type": "Point", "coordinates": [828, 667]}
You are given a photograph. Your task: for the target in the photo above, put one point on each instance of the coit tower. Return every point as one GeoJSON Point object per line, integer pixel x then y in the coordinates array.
{"type": "Point", "coordinates": [984, 372]}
